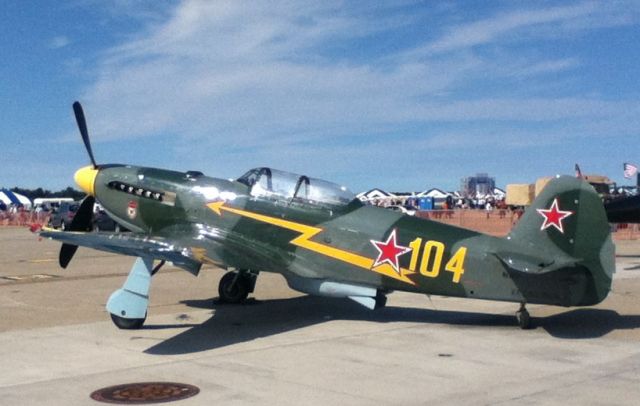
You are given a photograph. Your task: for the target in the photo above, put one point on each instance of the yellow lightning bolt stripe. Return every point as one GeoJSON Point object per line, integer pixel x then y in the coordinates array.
{"type": "Point", "coordinates": [304, 241]}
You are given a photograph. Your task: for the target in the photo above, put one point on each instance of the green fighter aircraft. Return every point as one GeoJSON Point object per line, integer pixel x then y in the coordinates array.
{"type": "Point", "coordinates": [326, 242]}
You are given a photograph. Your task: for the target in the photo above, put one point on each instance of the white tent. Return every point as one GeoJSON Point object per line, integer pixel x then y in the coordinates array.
{"type": "Point", "coordinates": [434, 193]}
{"type": "Point", "coordinates": [8, 198]}
{"type": "Point", "coordinates": [496, 194]}
{"type": "Point", "coordinates": [375, 194]}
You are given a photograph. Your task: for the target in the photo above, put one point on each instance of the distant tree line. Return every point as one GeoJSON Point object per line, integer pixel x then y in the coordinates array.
{"type": "Point", "coordinates": [40, 192]}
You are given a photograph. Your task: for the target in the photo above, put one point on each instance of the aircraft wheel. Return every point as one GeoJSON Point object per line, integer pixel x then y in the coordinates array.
{"type": "Point", "coordinates": [524, 321]}
{"type": "Point", "coordinates": [233, 288]}
{"type": "Point", "coordinates": [381, 300]}
{"type": "Point", "coordinates": [127, 324]}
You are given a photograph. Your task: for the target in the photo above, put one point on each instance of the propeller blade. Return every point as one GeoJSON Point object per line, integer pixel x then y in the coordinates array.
{"type": "Point", "coordinates": [66, 253]}
{"type": "Point", "coordinates": [82, 126]}
{"type": "Point", "coordinates": [82, 221]}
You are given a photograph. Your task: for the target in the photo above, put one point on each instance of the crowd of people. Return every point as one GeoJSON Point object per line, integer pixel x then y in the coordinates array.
{"type": "Point", "coordinates": [455, 208]}
{"type": "Point", "coordinates": [489, 203]}
{"type": "Point", "coordinates": [18, 215]}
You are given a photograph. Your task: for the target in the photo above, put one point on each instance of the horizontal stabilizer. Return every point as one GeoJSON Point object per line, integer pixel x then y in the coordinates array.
{"type": "Point", "coordinates": [523, 263]}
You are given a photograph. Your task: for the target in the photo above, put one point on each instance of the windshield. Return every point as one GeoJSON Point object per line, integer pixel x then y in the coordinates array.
{"type": "Point", "coordinates": [279, 184]}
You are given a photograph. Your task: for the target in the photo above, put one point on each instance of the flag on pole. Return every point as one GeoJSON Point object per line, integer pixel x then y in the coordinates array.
{"type": "Point", "coordinates": [630, 170]}
{"type": "Point", "coordinates": [578, 171]}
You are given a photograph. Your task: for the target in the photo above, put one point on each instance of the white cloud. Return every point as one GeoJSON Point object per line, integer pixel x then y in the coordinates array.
{"type": "Point", "coordinates": [260, 82]}
{"type": "Point", "coordinates": [528, 110]}
{"type": "Point", "coordinates": [544, 67]}
{"type": "Point", "coordinates": [59, 42]}
{"type": "Point", "coordinates": [525, 24]}
{"type": "Point", "coordinates": [484, 31]}
{"type": "Point", "coordinates": [225, 68]}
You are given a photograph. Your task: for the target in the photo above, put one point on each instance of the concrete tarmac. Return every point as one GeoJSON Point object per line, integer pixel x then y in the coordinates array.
{"type": "Point", "coordinates": [57, 343]}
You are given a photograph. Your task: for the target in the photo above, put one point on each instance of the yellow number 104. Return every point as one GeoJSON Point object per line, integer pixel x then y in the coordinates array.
{"type": "Point", "coordinates": [431, 260]}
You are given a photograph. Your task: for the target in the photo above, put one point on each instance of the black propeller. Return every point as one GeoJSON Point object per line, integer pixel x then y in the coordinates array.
{"type": "Point", "coordinates": [82, 126]}
{"type": "Point", "coordinates": [83, 219]}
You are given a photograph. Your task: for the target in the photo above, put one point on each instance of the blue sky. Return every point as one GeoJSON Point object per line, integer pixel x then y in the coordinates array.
{"type": "Point", "coordinates": [400, 95]}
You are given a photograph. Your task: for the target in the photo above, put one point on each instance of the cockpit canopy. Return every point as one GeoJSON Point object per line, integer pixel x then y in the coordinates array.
{"type": "Point", "coordinates": [272, 183]}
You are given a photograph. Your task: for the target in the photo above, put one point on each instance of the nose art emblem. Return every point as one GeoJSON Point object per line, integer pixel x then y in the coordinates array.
{"type": "Point", "coordinates": [132, 209]}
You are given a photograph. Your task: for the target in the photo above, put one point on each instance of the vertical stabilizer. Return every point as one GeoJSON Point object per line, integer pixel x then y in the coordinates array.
{"type": "Point", "coordinates": [567, 223]}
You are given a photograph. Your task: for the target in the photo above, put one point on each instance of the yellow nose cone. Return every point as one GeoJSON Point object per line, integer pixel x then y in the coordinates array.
{"type": "Point", "coordinates": [86, 178]}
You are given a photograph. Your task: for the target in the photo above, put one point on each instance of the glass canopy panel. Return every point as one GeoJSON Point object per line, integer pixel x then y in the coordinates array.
{"type": "Point", "coordinates": [275, 183]}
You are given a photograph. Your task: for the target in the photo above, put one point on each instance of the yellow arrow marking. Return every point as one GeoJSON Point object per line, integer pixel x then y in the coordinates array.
{"type": "Point", "coordinates": [200, 254]}
{"type": "Point", "coordinates": [304, 241]}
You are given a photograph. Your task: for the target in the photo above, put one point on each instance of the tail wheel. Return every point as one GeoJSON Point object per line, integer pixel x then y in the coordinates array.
{"type": "Point", "coordinates": [233, 288]}
{"type": "Point", "coordinates": [524, 320]}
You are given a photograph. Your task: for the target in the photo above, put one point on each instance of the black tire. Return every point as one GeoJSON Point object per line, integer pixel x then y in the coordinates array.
{"type": "Point", "coordinates": [127, 324]}
{"type": "Point", "coordinates": [231, 292]}
{"type": "Point", "coordinates": [381, 300]}
{"type": "Point", "coordinates": [524, 320]}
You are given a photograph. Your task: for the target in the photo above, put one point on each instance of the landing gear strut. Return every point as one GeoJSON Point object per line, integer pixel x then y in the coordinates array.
{"type": "Point", "coordinates": [522, 315]}
{"type": "Point", "coordinates": [235, 286]}
{"type": "Point", "coordinates": [128, 305]}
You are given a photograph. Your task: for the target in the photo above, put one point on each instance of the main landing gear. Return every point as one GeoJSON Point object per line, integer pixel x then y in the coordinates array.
{"type": "Point", "coordinates": [522, 315]}
{"type": "Point", "coordinates": [235, 286]}
{"type": "Point", "coordinates": [128, 305]}
{"type": "Point", "coordinates": [381, 299]}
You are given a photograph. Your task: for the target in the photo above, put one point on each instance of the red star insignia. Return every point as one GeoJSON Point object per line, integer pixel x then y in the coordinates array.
{"type": "Point", "coordinates": [553, 216]}
{"type": "Point", "coordinates": [389, 251]}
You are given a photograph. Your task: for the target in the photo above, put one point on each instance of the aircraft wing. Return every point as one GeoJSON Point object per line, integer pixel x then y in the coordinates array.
{"type": "Point", "coordinates": [135, 245]}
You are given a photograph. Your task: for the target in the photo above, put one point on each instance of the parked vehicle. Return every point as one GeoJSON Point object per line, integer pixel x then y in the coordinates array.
{"type": "Point", "coordinates": [103, 222]}
{"type": "Point", "coordinates": [62, 216]}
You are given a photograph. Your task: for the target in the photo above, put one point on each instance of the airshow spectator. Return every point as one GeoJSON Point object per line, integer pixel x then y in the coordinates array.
{"type": "Point", "coordinates": [489, 208]}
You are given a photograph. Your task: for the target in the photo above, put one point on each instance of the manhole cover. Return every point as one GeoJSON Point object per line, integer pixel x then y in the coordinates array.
{"type": "Point", "coordinates": [145, 393]}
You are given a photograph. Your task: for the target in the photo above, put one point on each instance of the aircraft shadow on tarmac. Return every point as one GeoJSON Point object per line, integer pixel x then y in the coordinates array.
{"type": "Point", "coordinates": [232, 324]}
